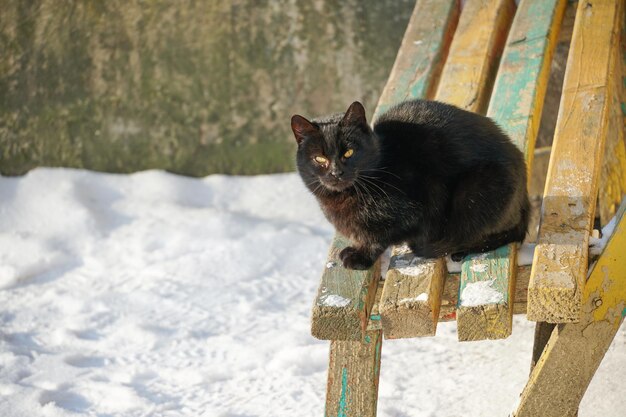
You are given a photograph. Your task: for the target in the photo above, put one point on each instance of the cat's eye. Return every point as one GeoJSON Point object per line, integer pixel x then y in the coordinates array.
{"type": "Point", "coordinates": [348, 153]}
{"type": "Point", "coordinates": [321, 160]}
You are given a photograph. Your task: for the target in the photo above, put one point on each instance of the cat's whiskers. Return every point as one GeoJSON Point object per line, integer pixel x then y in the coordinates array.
{"type": "Point", "coordinates": [370, 182]}
{"type": "Point", "coordinates": [372, 179]}
{"type": "Point", "coordinates": [383, 170]}
{"type": "Point", "coordinates": [374, 202]}
{"type": "Point", "coordinates": [317, 188]}
{"type": "Point", "coordinates": [359, 194]}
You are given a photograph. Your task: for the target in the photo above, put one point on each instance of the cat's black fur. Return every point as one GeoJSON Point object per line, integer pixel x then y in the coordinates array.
{"type": "Point", "coordinates": [441, 179]}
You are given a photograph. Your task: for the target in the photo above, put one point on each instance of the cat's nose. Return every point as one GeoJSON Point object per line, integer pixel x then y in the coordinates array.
{"type": "Point", "coordinates": [337, 173]}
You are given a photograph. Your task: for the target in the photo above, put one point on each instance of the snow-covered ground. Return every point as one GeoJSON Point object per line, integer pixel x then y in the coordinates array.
{"type": "Point", "coordinates": [156, 295]}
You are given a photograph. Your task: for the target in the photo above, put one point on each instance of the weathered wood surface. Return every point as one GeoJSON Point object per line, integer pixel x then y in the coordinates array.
{"type": "Point", "coordinates": [412, 295]}
{"type": "Point", "coordinates": [344, 298]}
{"type": "Point", "coordinates": [450, 294]}
{"type": "Point", "coordinates": [560, 263]}
{"type": "Point", "coordinates": [485, 305]}
{"type": "Point", "coordinates": [428, 37]}
{"type": "Point", "coordinates": [537, 182]}
{"type": "Point", "coordinates": [468, 73]}
{"type": "Point", "coordinates": [375, 319]}
{"type": "Point", "coordinates": [575, 350]}
{"type": "Point", "coordinates": [516, 105]}
{"type": "Point", "coordinates": [613, 173]}
{"type": "Point", "coordinates": [466, 81]}
{"type": "Point", "coordinates": [344, 321]}
{"type": "Point", "coordinates": [353, 374]}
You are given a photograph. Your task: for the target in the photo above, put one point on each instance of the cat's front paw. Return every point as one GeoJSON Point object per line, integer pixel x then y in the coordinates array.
{"type": "Point", "coordinates": [352, 258]}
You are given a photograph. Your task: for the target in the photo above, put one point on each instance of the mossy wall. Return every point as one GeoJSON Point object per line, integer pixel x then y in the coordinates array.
{"type": "Point", "coordinates": [194, 87]}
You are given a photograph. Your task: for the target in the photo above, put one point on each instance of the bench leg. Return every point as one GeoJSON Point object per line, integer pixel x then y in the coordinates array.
{"type": "Point", "coordinates": [543, 331]}
{"type": "Point", "coordinates": [574, 350]}
{"type": "Point", "coordinates": [353, 375]}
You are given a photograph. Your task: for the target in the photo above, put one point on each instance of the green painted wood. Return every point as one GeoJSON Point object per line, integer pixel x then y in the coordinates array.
{"type": "Point", "coordinates": [415, 69]}
{"type": "Point", "coordinates": [428, 37]}
{"type": "Point", "coordinates": [517, 98]}
{"type": "Point", "coordinates": [485, 302]}
{"type": "Point", "coordinates": [516, 105]}
{"type": "Point", "coordinates": [344, 298]}
{"type": "Point", "coordinates": [353, 375]}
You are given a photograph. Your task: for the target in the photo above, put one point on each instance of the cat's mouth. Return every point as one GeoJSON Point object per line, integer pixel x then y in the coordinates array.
{"type": "Point", "coordinates": [337, 185]}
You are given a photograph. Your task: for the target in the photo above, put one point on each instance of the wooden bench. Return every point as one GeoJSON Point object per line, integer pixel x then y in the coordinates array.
{"type": "Point", "coordinates": [494, 59]}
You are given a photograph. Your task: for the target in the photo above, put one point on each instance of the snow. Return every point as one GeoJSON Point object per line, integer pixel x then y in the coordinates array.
{"type": "Point", "coordinates": [480, 293]}
{"type": "Point", "coordinates": [157, 295]}
{"type": "Point", "coordinates": [333, 300]}
{"type": "Point", "coordinates": [597, 245]}
{"type": "Point", "coordinates": [421, 297]}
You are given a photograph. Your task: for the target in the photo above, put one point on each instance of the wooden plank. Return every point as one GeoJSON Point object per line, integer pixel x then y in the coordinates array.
{"type": "Point", "coordinates": [410, 306]}
{"type": "Point", "coordinates": [516, 105]}
{"type": "Point", "coordinates": [450, 295]}
{"type": "Point", "coordinates": [467, 76]}
{"type": "Point", "coordinates": [353, 374]}
{"type": "Point", "coordinates": [485, 308]}
{"type": "Point", "coordinates": [575, 350]}
{"type": "Point", "coordinates": [427, 38]}
{"type": "Point", "coordinates": [345, 320]}
{"type": "Point", "coordinates": [613, 173]}
{"type": "Point", "coordinates": [344, 298]}
{"type": "Point", "coordinates": [375, 320]}
{"type": "Point", "coordinates": [560, 263]}
{"type": "Point", "coordinates": [465, 81]}
{"type": "Point", "coordinates": [537, 182]}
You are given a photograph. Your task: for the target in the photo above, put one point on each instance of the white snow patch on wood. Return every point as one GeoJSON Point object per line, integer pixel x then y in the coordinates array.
{"type": "Point", "coordinates": [334, 300]}
{"type": "Point", "coordinates": [480, 293]}
{"type": "Point", "coordinates": [422, 297]}
{"type": "Point", "coordinates": [480, 268]}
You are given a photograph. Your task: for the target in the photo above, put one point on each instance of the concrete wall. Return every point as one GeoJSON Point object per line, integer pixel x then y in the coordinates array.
{"type": "Point", "coordinates": [194, 87]}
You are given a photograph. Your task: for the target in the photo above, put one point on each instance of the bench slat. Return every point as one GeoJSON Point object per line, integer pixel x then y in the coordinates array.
{"type": "Point", "coordinates": [613, 174]}
{"type": "Point", "coordinates": [411, 296]}
{"type": "Point", "coordinates": [423, 51]}
{"type": "Point", "coordinates": [344, 298]}
{"type": "Point", "coordinates": [465, 82]}
{"type": "Point", "coordinates": [488, 280]}
{"type": "Point", "coordinates": [467, 76]}
{"type": "Point", "coordinates": [416, 69]}
{"type": "Point", "coordinates": [560, 263]}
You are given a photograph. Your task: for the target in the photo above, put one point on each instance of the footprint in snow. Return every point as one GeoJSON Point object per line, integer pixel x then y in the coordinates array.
{"type": "Point", "coordinates": [80, 361]}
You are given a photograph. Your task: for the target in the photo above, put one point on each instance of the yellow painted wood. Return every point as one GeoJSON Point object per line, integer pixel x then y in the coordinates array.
{"type": "Point", "coordinates": [537, 182]}
{"type": "Point", "coordinates": [560, 263]}
{"type": "Point", "coordinates": [345, 297]}
{"type": "Point", "coordinates": [468, 74]}
{"type": "Point", "coordinates": [516, 105]}
{"type": "Point", "coordinates": [613, 173]}
{"type": "Point", "coordinates": [412, 294]}
{"type": "Point", "coordinates": [575, 350]}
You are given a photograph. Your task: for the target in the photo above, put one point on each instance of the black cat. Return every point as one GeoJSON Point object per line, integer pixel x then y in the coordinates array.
{"type": "Point", "coordinates": [441, 179]}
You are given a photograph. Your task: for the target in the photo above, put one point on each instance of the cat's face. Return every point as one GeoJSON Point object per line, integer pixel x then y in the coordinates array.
{"type": "Point", "coordinates": [333, 151]}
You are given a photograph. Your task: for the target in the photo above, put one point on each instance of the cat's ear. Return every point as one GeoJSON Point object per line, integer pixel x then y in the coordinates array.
{"type": "Point", "coordinates": [355, 115]}
{"type": "Point", "coordinates": [302, 128]}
